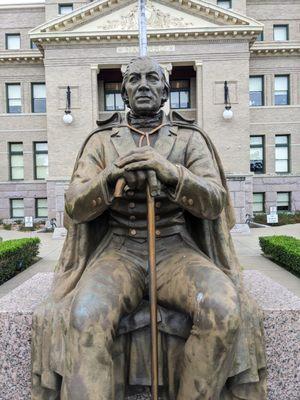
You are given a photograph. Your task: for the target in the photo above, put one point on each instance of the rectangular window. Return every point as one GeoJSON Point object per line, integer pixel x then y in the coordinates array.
{"type": "Point", "coordinates": [257, 154]}
{"type": "Point", "coordinates": [283, 201]}
{"type": "Point", "coordinates": [224, 4]}
{"type": "Point", "coordinates": [113, 98]}
{"type": "Point", "coordinates": [180, 94]}
{"type": "Point", "coordinates": [32, 44]}
{"type": "Point", "coordinates": [281, 32]}
{"type": "Point", "coordinates": [256, 91]}
{"type": "Point", "coordinates": [13, 41]}
{"type": "Point", "coordinates": [258, 203]}
{"type": "Point", "coordinates": [282, 153]}
{"type": "Point", "coordinates": [16, 208]}
{"type": "Point", "coordinates": [38, 96]}
{"type": "Point", "coordinates": [260, 37]}
{"type": "Point", "coordinates": [282, 90]}
{"type": "Point", "coordinates": [41, 160]}
{"type": "Point", "coordinates": [16, 161]}
{"type": "Point", "coordinates": [41, 208]}
{"type": "Point", "coordinates": [65, 8]}
{"type": "Point", "coordinates": [13, 98]}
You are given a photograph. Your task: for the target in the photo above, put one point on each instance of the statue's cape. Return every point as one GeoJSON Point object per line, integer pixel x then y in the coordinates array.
{"type": "Point", "coordinates": [212, 237]}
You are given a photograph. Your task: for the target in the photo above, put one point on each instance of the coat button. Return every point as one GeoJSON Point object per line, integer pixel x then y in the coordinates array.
{"type": "Point", "coordinates": [191, 202]}
{"type": "Point", "coordinates": [184, 199]}
{"type": "Point", "coordinates": [158, 204]}
{"type": "Point", "coordinates": [94, 203]}
{"type": "Point", "coordinates": [132, 217]}
{"type": "Point", "coordinates": [99, 200]}
{"type": "Point", "coordinates": [131, 205]}
{"type": "Point", "coordinates": [132, 232]}
{"type": "Point", "coordinates": [157, 217]}
{"type": "Point", "coordinates": [157, 232]}
{"type": "Point", "coordinates": [130, 193]}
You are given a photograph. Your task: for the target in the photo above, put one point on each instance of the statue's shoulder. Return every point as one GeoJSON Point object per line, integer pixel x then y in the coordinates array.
{"type": "Point", "coordinates": [109, 123]}
{"type": "Point", "coordinates": [183, 122]}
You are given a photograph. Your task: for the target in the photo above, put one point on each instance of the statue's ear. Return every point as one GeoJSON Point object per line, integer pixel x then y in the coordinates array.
{"type": "Point", "coordinates": [125, 96]}
{"type": "Point", "coordinates": [166, 93]}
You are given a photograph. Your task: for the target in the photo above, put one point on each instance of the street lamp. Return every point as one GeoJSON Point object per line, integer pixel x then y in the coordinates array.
{"type": "Point", "coordinates": [68, 118]}
{"type": "Point", "coordinates": [228, 113]}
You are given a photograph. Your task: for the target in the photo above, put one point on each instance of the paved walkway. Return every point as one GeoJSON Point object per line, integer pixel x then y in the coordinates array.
{"type": "Point", "coordinates": [247, 247]}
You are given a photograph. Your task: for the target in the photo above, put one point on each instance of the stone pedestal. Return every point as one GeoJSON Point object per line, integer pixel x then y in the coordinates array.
{"type": "Point", "coordinates": [281, 319]}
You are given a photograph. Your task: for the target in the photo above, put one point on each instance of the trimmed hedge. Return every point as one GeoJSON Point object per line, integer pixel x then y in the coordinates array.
{"type": "Point", "coordinates": [284, 250]}
{"type": "Point", "coordinates": [16, 256]}
{"type": "Point", "coordinates": [284, 218]}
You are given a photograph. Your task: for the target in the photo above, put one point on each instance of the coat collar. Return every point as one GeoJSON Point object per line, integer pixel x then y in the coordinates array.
{"type": "Point", "coordinates": [123, 141]}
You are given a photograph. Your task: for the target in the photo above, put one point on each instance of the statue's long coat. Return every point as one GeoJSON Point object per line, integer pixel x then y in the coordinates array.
{"type": "Point", "coordinates": [247, 378]}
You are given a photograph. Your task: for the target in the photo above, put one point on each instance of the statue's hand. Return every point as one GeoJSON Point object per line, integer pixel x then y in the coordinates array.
{"type": "Point", "coordinates": [134, 179]}
{"type": "Point", "coordinates": [147, 158]}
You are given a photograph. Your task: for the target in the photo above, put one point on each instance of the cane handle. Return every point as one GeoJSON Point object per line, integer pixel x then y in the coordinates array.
{"type": "Point", "coordinates": [121, 183]}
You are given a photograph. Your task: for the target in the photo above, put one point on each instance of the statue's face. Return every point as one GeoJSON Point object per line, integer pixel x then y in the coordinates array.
{"type": "Point", "coordinates": [145, 87]}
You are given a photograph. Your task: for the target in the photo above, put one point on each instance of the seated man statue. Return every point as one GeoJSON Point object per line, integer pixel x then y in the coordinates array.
{"type": "Point", "coordinates": [102, 274]}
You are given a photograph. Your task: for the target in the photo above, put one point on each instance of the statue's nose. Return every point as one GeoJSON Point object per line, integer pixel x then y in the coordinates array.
{"type": "Point", "coordinates": [144, 84]}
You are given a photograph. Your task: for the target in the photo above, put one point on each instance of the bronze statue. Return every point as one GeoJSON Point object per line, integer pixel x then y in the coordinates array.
{"type": "Point", "coordinates": [102, 273]}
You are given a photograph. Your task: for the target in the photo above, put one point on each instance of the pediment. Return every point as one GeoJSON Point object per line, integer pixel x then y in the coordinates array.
{"type": "Point", "coordinates": [121, 16]}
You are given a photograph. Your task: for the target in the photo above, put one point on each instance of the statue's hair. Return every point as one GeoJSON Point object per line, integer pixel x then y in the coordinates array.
{"type": "Point", "coordinates": [126, 76]}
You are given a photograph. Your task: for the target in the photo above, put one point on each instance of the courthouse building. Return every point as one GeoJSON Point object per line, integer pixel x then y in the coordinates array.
{"type": "Point", "coordinates": [248, 49]}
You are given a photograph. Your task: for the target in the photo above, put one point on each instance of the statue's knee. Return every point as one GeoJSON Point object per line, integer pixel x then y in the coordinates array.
{"type": "Point", "coordinates": [87, 318]}
{"type": "Point", "coordinates": [218, 312]}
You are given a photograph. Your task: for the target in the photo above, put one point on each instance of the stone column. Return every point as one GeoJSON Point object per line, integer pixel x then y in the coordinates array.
{"type": "Point", "coordinates": [167, 70]}
{"type": "Point", "coordinates": [199, 92]}
{"type": "Point", "coordinates": [95, 98]}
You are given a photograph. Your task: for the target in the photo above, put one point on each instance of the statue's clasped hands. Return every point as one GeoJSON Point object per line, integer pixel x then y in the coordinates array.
{"type": "Point", "coordinates": [143, 165]}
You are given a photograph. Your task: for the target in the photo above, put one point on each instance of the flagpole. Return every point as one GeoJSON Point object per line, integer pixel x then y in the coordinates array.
{"type": "Point", "coordinates": [143, 28]}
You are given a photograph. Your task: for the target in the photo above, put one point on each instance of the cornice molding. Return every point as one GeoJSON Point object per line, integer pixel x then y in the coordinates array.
{"type": "Point", "coordinates": [276, 48]}
{"type": "Point", "coordinates": [21, 56]}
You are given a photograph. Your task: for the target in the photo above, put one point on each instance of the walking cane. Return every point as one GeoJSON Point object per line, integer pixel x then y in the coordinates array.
{"type": "Point", "coordinates": [152, 273]}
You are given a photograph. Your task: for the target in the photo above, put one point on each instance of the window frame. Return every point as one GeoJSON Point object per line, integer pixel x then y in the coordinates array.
{"type": "Point", "coordinates": [7, 84]}
{"type": "Point", "coordinates": [32, 98]}
{"type": "Point", "coordinates": [35, 153]}
{"type": "Point", "coordinates": [262, 35]}
{"type": "Point", "coordinates": [263, 203]}
{"type": "Point", "coordinates": [179, 91]}
{"type": "Point", "coordinates": [288, 90]}
{"type": "Point", "coordinates": [289, 205]}
{"type": "Point", "coordinates": [225, 8]}
{"type": "Point", "coordinates": [114, 92]}
{"type": "Point", "coordinates": [16, 153]}
{"type": "Point", "coordinates": [263, 152]}
{"type": "Point", "coordinates": [12, 209]}
{"type": "Point", "coordinates": [7, 35]}
{"type": "Point", "coordinates": [288, 146]}
{"type": "Point", "coordinates": [37, 216]}
{"type": "Point", "coordinates": [33, 46]}
{"type": "Point", "coordinates": [61, 5]}
{"type": "Point", "coordinates": [263, 89]}
{"type": "Point", "coordinates": [287, 32]}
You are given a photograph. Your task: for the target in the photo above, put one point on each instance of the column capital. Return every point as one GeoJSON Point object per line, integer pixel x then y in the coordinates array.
{"type": "Point", "coordinates": [123, 68]}
{"type": "Point", "coordinates": [198, 64]}
{"type": "Point", "coordinates": [167, 67]}
{"type": "Point", "coordinates": [95, 67]}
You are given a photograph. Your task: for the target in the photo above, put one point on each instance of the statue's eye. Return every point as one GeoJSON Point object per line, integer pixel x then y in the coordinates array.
{"type": "Point", "coordinates": [133, 79]}
{"type": "Point", "coordinates": [152, 78]}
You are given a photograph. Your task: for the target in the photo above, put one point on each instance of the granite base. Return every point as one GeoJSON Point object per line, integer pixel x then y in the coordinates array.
{"type": "Point", "coordinates": [281, 320]}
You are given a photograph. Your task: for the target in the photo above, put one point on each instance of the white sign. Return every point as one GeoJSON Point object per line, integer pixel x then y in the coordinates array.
{"type": "Point", "coordinates": [28, 222]}
{"type": "Point", "coordinates": [272, 219]}
{"type": "Point", "coordinates": [151, 49]}
{"type": "Point", "coordinates": [273, 210]}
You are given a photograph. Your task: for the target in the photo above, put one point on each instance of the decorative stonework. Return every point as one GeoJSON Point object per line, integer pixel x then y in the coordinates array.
{"type": "Point", "coordinates": [156, 19]}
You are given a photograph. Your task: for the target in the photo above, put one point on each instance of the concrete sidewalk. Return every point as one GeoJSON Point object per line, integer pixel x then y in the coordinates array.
{"type": "Point", "coordinates": [247, 247]}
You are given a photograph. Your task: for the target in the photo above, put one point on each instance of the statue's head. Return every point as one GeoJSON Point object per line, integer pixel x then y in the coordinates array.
{"type": "Point", "coordinates": [145, 88]}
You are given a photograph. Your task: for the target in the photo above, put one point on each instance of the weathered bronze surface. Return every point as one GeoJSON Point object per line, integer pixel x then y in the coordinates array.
{"type": "Point", "coordinates": [90, 338]}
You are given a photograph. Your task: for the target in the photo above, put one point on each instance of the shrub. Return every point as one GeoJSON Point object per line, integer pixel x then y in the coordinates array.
{"type": "Point", "coordinates": [284, 250]}
{"type": "Point", "coordinates": [7, 227]}
{"type": "Point", "coordinates": [16, 256]}
{"type": "Point", "coordinates": [284, 218]}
